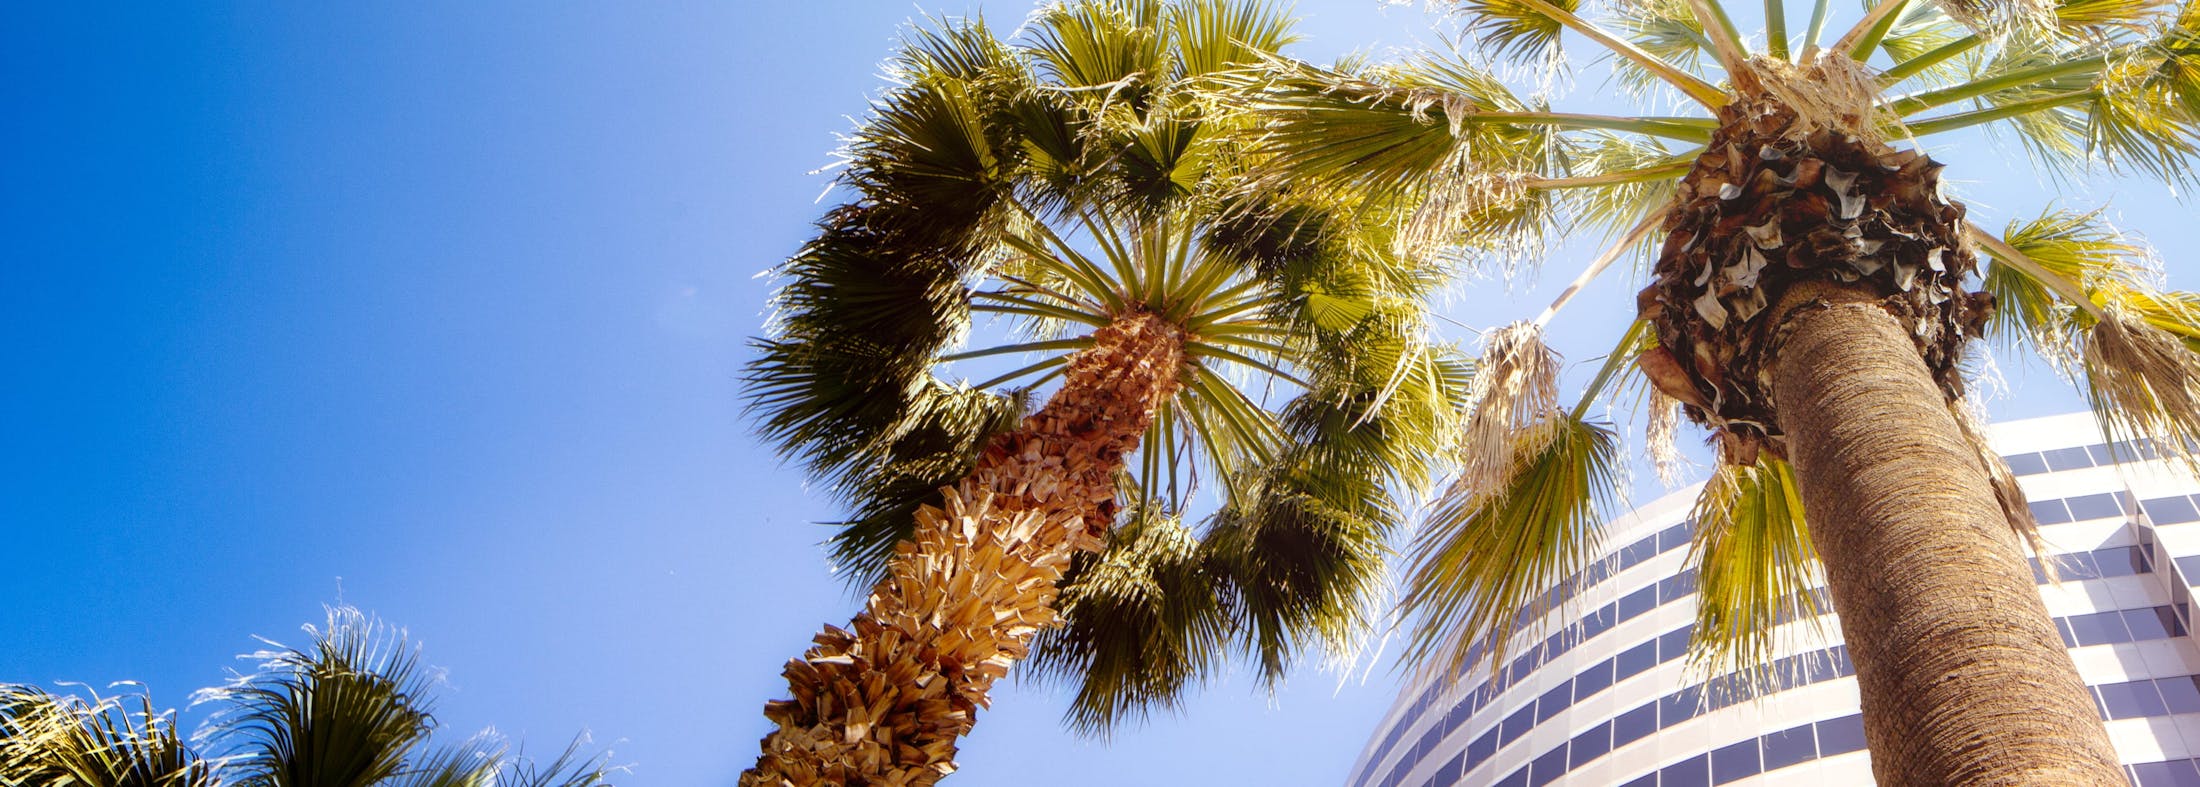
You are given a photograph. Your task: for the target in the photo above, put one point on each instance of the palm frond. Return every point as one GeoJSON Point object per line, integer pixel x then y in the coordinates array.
{"type": "Point", "coordinates": [1755, 570]}
{"type": "Point", "coordinates": [1145, 621]}
{"type": "Point", "coordinates": [571, 768]}
{"type": "Point", "coordinates": [1515, 390]}
{"type": "Point", "coordinates": [1219, 35]}
{"type": "Point", "coordinates": [934, 444]}
{"type": "Point", "coordinates": [2073, 283]}
{"type": "Point", "coordinates": [1524, 31]}
{"type": "Point", "coordinates": [66, 740]}
{"type": "Point", "coordinates": [1487, 554]}
{"type": "Point", "coordinates": [474, 763]}
{"type": "Point", "coordinates": [346, 711]}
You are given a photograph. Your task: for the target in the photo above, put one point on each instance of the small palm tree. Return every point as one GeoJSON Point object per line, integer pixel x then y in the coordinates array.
{"type": "Point", "coordinates": [1081, 188]}
{"type": "Point", "coordinates": [1809, 306]}
{"type": "Point", "coordinates": [351, 711]}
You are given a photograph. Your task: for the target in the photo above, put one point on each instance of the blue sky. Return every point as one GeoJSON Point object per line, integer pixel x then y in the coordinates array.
{"type": "Point", "coordinates": [439, 312]}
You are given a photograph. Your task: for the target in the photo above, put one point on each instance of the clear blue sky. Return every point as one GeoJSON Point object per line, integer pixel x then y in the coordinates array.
{"type": "Point", "coordinates": [438, 310]}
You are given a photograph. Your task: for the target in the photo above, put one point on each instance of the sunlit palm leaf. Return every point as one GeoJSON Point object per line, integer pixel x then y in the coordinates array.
{"type": "Point", "coordinates": [1486, 556]}
{"type": "Point", "coordinates": [345, 712]}
{"type": "Point", "coordinates": [67, 741]}
{"type": "Point", "coordinates": [1145, 622]}
{"type": "Point", "coordinates": [1756, 569]}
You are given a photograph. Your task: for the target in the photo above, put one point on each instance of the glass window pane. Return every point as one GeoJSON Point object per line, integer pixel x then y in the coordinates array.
{"type": "Point", "coordinates": [1600, 621]}
{"type": "Point", "coordinates": [2180, 693]}
{"type": "Point", "coordinates": [1554, 701]}
{"type": "Point", "coordinates": [1452, 771]}
{"type": "Point", "coordinates": [2189, 566]}
{"type": "Point", "coordinates": [1516, 725]}
{"type": "Point", "coordinates": [1692, 772]}
{"type": "Point", "coordinates": [1633, 661]}
{"type": "Point", "coordinates": [1593, 680]}
{"type": "Point", "coordinates": [1679, 706]}
{"type": "Point", "coordinates": [2101, 506]}
{"type": "Point", "coordinates": [2067, 458]}
{"type": "Point", "coordinates": [1480, 750]}
{"type": "Point", "coordinates": [1790, 746]}
{"type": "Point", "coordinates": [2166, 510]}
{"type": "Point", "coordinates": [2134, 700]}
{"type": "Point", "coordinates": [1547, 768]}
{"type": "Point", "coordinates": [2050, 512]}
{"type": "Point", "coordinates": [1840, 736]}
{"type": "Point", "coordinates": [1674, 644]}
{"type": "Point", "coordinates": [2100, 454]}
{"type": "Point", "coordinates": [2099, 628]}
{"type": "Point", "coordinates": [1589, 745]}
{"type": "Point", "coordinates": [2026, 464]}
{"type": "Point", "coordinates": [1738, 761]}
{"type": "Point", "coordinates": [1517, 778]}
{"type": "Point", "coordinates": [1637, 552]}
{"type": "Point", "coordinates": [1673, 537]}
{"type": "Point", "coordinates": [1646, 780]}
{"type": "Point", "coordinates": [2118, 561]}
{"type": "Point", "coordinates": [2148, 624]}
{"type": "Point", "coordinates": [2175, 773]}
{"type": "Point", "coordinates": [1429, 740]}
{"type": "Point", "coordinates": [1638, 602]}
{"type": "Point", "coordinates": [1634, 725]}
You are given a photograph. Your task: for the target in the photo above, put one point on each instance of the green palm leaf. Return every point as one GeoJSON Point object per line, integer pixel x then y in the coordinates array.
{"type": "Point", "coordinates": [1756, 570]}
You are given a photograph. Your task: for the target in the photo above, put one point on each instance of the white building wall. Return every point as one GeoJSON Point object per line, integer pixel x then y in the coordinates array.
{"type": "Point", "coordinates": [1610, 702]}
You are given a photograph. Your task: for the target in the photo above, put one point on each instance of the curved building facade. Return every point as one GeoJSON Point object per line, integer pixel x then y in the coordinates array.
{"type": "Point", "coordinates": [1605, 698]}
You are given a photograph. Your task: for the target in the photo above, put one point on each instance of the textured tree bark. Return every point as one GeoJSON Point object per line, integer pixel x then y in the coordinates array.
{"type": "Point", "coordinates": [884, 701]}
{"type": "Point", "coordinates": [1964, 679]}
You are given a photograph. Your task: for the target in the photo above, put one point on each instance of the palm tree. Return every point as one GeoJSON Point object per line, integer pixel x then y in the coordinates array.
{"type": "Point", "coordinates": [350, 711]}
{"type": "Point", "coordinates": [1808, 305]}
{"type": "Point", "coordinates": [1080, 188]}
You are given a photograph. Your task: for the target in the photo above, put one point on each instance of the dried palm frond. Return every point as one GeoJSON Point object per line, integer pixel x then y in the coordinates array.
{"type": "Point", "coordinates": [1515, 391]}
{"type": "Point", "coordinates": [1756, 569]}
{"type": "Point", "coordinates": [2144, 386]}
{"type": "Point", "coordinates": [1658, 438]}
{"type": "Point", "coordinates": [1489, 551]}
{"type": "Point", "coordinates": [2136, 346]}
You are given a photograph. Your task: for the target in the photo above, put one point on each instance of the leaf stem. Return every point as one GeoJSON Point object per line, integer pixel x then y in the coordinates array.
{"type": "Point", "coordinates": [1918, 102]}
{"type": "Point", "coordinates": [1991, 114]}
{"type": "Point", "coordinates": [1776, 29]}
{"type": "Point", "coordinates": [1603, 261]}
{"type": "Point", "coordinates": [1940, 54]}
{"type": "Point", "coordinates": [2016, 259]}
{"type": "Point", "coordinates": [1819, 9]}
{"type": "Point", "coordinates": [1703, 92]}
{"type": "Point", "coordinates": [1864, 37]}
{"type": "Point", "coordinates": [1620, 355]}
{"type": "Point", "coordinates": [1646, 174]}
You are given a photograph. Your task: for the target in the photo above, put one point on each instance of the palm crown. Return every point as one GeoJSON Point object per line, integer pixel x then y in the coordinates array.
{"type": "Point", "coordinates": [1015, 199]}
{"type": "Point", "coordinates": [1780, 194]}
{"type": "Point", "coordinates": [351, 710]}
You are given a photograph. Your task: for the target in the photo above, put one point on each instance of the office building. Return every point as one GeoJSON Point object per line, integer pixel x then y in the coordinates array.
{"type": "Point", "coordinates": [1606, 698]}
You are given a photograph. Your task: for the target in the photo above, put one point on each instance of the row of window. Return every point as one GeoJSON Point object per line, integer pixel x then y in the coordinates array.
{"type": "Point", "coordinates": [2077, 457]}
{"type": "Point", "coordinates": [2075, 566]}
{"type": "Point", "coordinates": [2127, 700]}
{"type": "Point", "coordinates": [2161, 510]}
{"type": "Point", "coordinates": [2172, 773]}
{"type": "Point", "coordinates": [2136, 625]}
{"type": "Point", "coordinates": [1634, 554]}
{"type": "Point", "coordinates": [2089, 629]}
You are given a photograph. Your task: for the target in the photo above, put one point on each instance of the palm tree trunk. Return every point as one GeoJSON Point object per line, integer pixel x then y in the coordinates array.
{"type": "Point", "coordinates": [884, 701]}
{"type": "Point", "coordinates": [1964, 679]}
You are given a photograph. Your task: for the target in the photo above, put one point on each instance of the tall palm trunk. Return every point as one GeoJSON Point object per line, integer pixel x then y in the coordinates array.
{"type": "Point", "coordinates": [1810, 301]}
{"type": "Point", "coordinates": [1963, 677]}
{"type": "Point", "coordinates": [885, 701]}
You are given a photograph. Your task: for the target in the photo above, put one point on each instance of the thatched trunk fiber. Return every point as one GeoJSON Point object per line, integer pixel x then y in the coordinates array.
{"type": "Point", "coordinates": [884, 701]}
{"type": "Point", "coordinates": [1963, 677]}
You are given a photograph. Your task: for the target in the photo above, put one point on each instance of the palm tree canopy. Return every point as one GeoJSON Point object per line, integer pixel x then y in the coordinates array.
{"type": "Point", "coordinates": [1498, 172]}
{"type": "Point", "coordinates": [351, 710]}
{"type": "Point", "coordinates": [1008, 197]}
